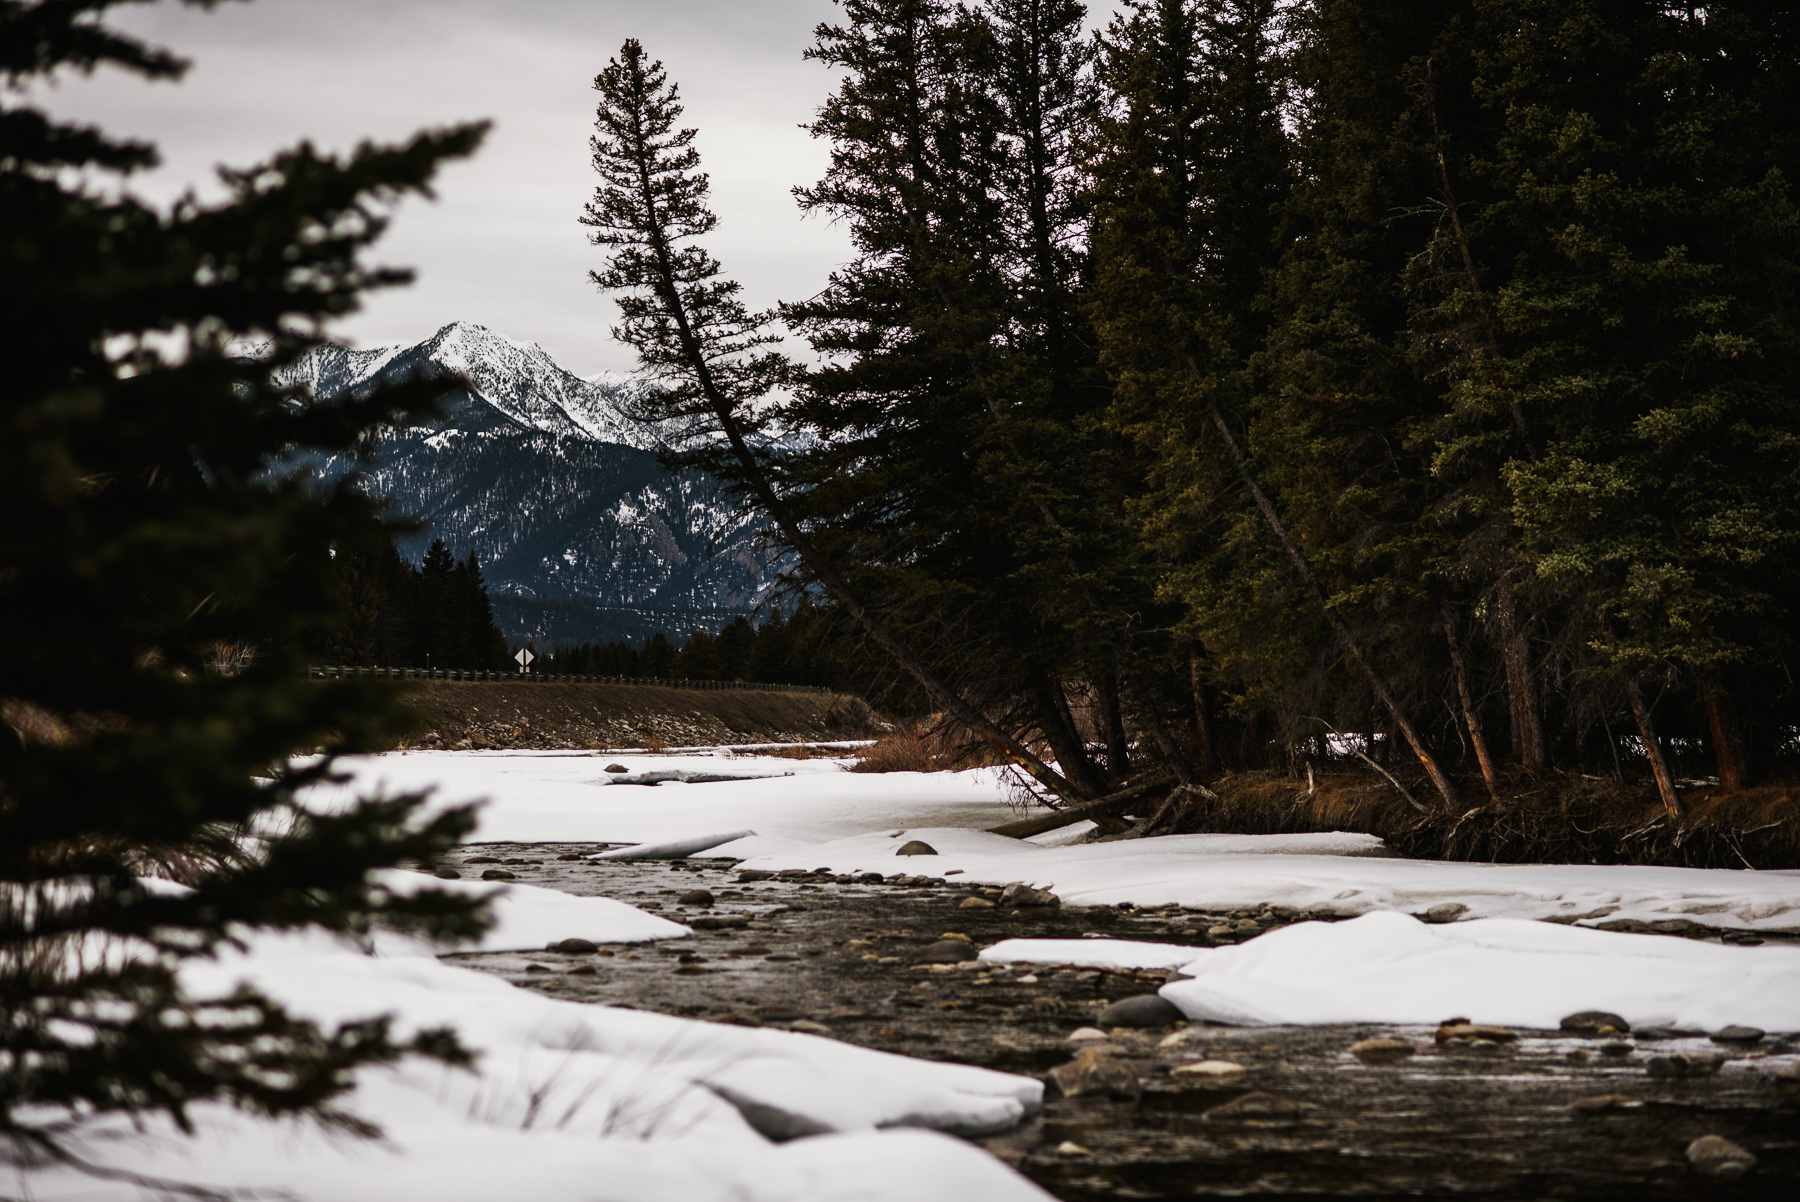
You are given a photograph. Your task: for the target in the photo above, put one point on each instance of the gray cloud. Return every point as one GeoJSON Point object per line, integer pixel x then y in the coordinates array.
{"type": "Point", "coordinates": [501, 245]}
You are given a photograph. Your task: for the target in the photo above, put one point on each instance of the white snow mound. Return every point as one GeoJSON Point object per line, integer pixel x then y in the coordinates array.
{"type": "Point", "coordinates": [1392, 968]}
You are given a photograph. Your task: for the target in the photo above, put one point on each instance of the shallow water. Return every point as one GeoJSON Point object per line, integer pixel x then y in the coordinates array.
{"type": "Point", "coordinates": [1453, 1120]}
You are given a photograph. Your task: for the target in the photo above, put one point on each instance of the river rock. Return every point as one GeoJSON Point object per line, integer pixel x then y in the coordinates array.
{"type": "Point", "coordinates": [1020, 894]}
{"type": "Point", "coordinates": [1475, 1032]}
{"type": "Point", "coordinates": [1691, 1065]}
{"type": "Point", "coordinates": [974, 903]}
{"type": "Point", "coordinates": [498, 874]}
{"type": "Point", "coordinates": [747, 875]}
{"type": "Point", "coordinates": [696, 897]}
{"type": "Point", "coordinates": [1381, 1050]}
{"type": "Point", "coordinates": [1253, 1105]}
{"type": "Point", "coordinates": [1737, 1035]}
{"type": "Point", "coordinates": [447, 874]}
{"type": "Point", "coordinates": [1094, 1072]}
{"type": "Point", "coordinates": [1086, 1035]}
{"type": "Point", "coordinates": [1603, 1102]}
{"type": "Point", "coordinates": [1069, 1147]}
{"type": "Point", "coordinates": [584, 970]}
{"type": "Point", "coordinates": [617, 768]}
{"type": "Point", "coordinates": [916, 847]}
{"type": "Point", "coordinates": [1716, 1156]}
{"type": "Point", "coordinates": [1144, 1010]}
{"type": "Point", "coordinates": [1595, 1022]}
{"type": "Point", "coordinates": [947, 951]}
{"type": "Point", "coordinates": [1446, 912]}
{"type": "Point", "coordinates": [575, 947]}
{"type": "Point", "coordinates": [1209, 1070]}
{"type": "Point", "coordinates": [720, 922]}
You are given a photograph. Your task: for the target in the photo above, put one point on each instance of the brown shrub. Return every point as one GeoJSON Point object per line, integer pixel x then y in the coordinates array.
{"type": "Point", "coordinates": [1564, 818]}
{"type": "Point", "coordinates": [925, 747]}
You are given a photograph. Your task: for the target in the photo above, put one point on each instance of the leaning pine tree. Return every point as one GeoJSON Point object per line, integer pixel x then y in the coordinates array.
{"type": "Point", "coordinates": [712, 357]}
{"type": "Point", "coordinates": [157, 580]}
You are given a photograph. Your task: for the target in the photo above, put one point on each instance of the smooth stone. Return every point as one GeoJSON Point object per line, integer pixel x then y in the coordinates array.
{"type": "Point", "coordinates": [1700, 1065]}
{"type": "Point", "coordinates": [1209, 1070]}
{"type": "Point", "coordinates": [974, 903]}
{"type": "Point", "coordinates": [498, 874]}
{"type": "Point", "coordinates": [754, 874]}
{"type": "Point", "coordinates": [582, 947]}
{"type": "Point", "coordinates": [1593, 1022]}
{"type": "Point", "coordinates": [1094, 1072]}
{"type": "Point", "coordinates": [1254, 1105]}
{"type": "Point", "coordinates": [916, 847]}
{"type": "Point", "coordinates": [696, 897]}
{"type": "Point", "coordinates": [539, 968]}
{"type": "Point", "coordinates": [1474, 1031]}
{"type": "Point", "coordinates": [809, 1027]}
{"type": "Point", "coordinates": [1716, 1156]}
{"type": "Point", "coordinates": [1737, 1035]}
{"type": "Point", "coordinates": [947, 951]}
{"type": "Point", "coordinates": [1085, 1035]}
{"type": "Point", "coordinates": [957, 935]}
{"type": "Point", "coordinates": [1069, 1147]}
{"type": "Point", "coordinates": [1020, 894]}
{"type": "Point", "coordinates": [617, 768]}
{"type": "Point", "coordinates": [482, 860]}
{"type": "Point", "coordinates": [1615, 1049]}
{"type": "Point", "coordinates": [447, 874]}
{"type": "Point", "coordinates": [1446, 912]}
{"type": "Point", "coordinates": [1655, 1033]}
{"type": "Point", "coordinates": [570, 856]}
{"type": "Point", "coordinates": [1144, 1010]}
{"type": "Point", "coordinates": [584, 970]}
{"type": "Point", "coordinates": [1381, 1050]}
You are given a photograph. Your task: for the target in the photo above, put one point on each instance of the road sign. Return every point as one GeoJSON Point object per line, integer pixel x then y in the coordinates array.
{"type": "Point", "coordinates": [524, 657]}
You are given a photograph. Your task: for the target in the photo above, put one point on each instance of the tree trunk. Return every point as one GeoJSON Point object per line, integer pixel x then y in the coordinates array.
{"type": "Point", "coordinates": [1209, 748]}
{"type": "Point", "coordinates": [1728, 748]}
{"type": "Point", "coordinates": [1659, 765]}
{"type": "Point", "coordinates": [1470, 717]}
{"type": "Point", "coordinates": [1112, 725]}
{"type": "Point", "coordinates": [1377, 683]}
{"type": "Point", "coordinates": [1058, 726]}
{"type": "Point", "coordinates": [1521, 684]}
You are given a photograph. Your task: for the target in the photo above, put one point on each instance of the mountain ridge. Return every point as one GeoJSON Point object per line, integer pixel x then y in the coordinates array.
{"type": "Point", "coordinates": [548, 478]}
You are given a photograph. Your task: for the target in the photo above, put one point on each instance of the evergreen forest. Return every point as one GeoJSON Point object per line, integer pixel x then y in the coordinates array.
{"type": "Point", "coordinates": [398, 614]}
{"type": "Point", "coordinates": [1248, 382]}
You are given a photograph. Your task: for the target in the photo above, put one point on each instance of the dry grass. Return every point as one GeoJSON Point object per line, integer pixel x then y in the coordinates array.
{"type": "Point", "coordinates": [1564, 818]}
{"type": "Point", "coordinates": [925, 747]}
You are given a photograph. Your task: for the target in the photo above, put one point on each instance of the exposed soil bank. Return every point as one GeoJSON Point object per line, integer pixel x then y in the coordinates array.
{"type": "Point", "coordinates": [1548, 1115]}
{"type": "Point", "coordinates": [595, 716]}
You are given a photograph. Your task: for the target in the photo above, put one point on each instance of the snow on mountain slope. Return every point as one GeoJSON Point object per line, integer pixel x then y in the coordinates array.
{"type": "Point", "coordinates": [548, 479]}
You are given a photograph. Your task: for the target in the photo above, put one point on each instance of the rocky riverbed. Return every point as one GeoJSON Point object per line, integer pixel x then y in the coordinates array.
{"type": "Point", "coordinates": [1184, 1109]}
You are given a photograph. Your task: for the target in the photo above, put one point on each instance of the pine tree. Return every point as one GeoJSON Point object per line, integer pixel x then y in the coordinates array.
{"type": "Point", "coordinates": [145, 538]}
{"type": "Point", "coordinates": [692, 333]}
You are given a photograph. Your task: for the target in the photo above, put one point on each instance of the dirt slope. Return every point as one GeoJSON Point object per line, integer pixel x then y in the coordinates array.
{"type": "Point", "coordinates": [611, 715]}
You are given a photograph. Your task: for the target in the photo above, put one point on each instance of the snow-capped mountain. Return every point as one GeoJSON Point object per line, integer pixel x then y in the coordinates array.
{"type": "Point", "coordinates": [581, 534]}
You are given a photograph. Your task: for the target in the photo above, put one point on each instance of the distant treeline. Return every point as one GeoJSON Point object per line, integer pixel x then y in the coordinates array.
{"type": "Point", "coordinates": [798, 648]}
{"type": "Point", "coordinates": [397, 614]}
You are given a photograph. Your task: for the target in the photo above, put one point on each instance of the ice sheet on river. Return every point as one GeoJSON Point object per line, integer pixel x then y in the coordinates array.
{"type": "Point", "coordinates": [570, 1101]}
{"type": "Point", "coordinates": [1390, 968]}
{"type": "Point", "coordinates": [823, 816]}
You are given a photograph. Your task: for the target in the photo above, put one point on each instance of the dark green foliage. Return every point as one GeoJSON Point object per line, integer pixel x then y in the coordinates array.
{"type": "Point", "coordinates": [434, 615]}
{"type": "Point", "coordinates": [157, 585]}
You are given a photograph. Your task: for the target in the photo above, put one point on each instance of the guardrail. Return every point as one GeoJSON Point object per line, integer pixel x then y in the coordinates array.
{"type": "Point", "coordinates": [347, 672]}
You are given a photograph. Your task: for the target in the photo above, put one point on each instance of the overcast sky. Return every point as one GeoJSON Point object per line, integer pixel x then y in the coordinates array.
{"type": "Point", "coordinates": [500, 246]}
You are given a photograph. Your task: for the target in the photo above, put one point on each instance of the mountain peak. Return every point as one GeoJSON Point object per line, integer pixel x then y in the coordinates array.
{"type": "Point", "coordinates": [519, 380]}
